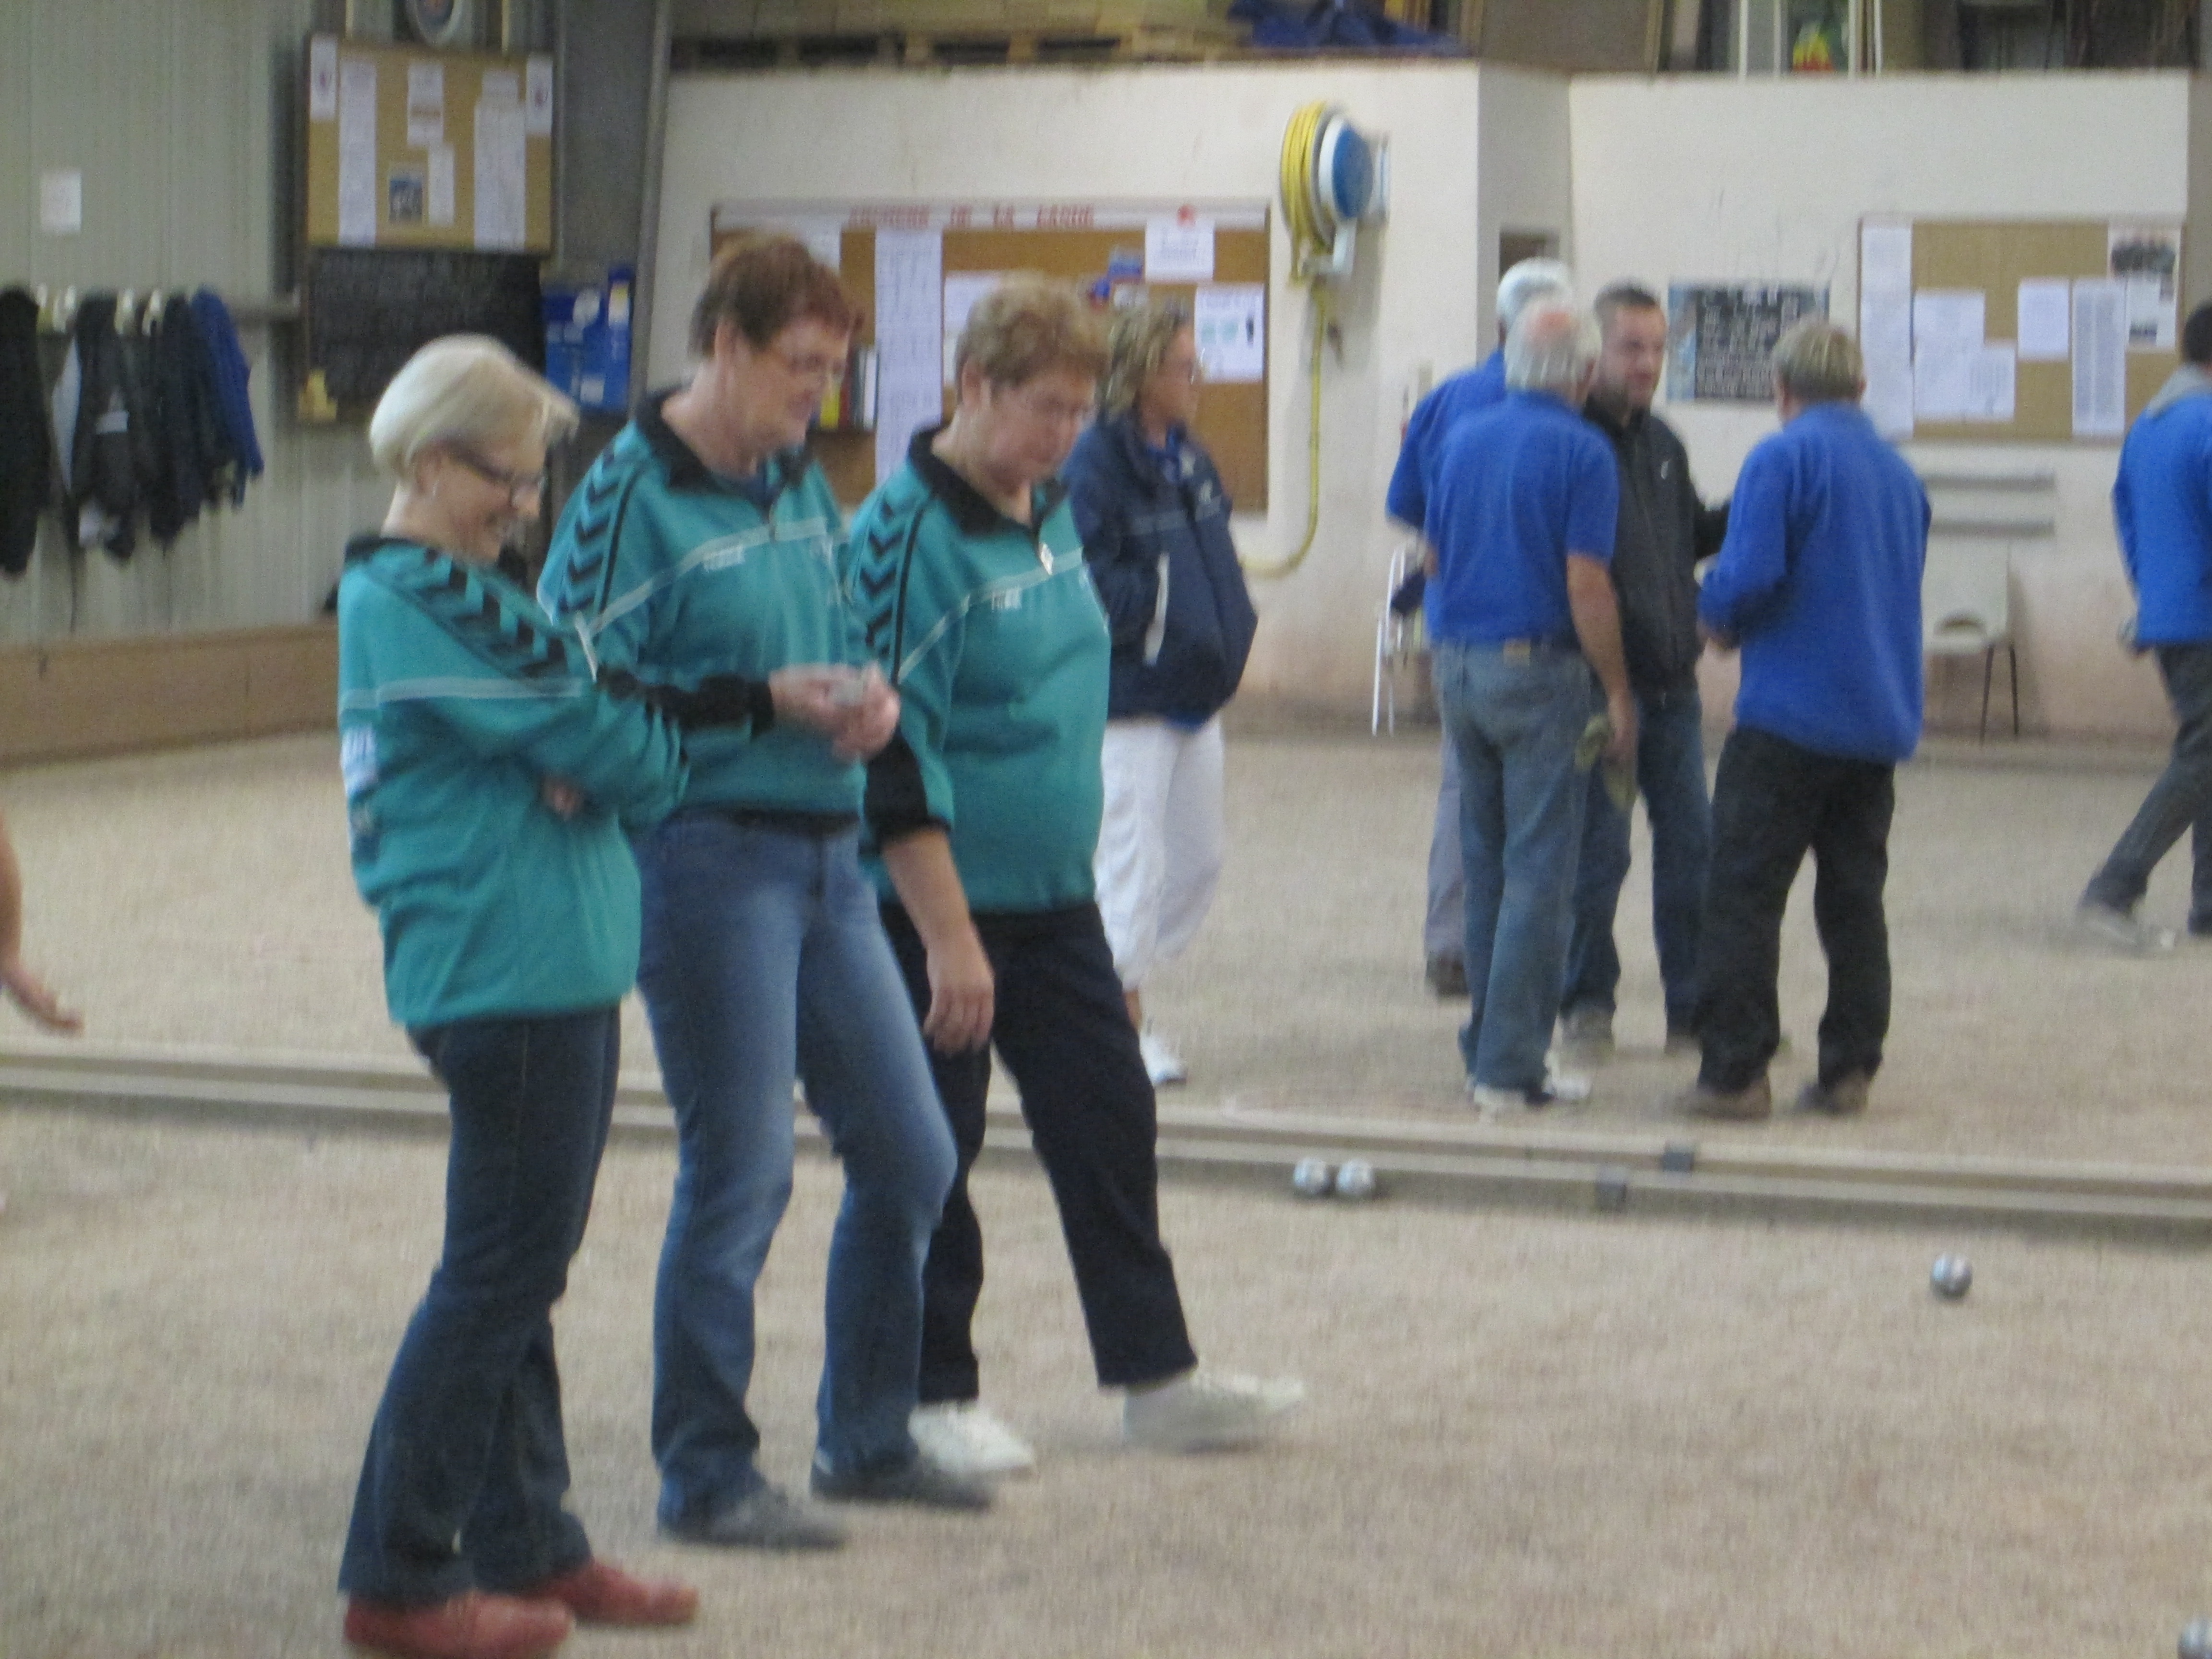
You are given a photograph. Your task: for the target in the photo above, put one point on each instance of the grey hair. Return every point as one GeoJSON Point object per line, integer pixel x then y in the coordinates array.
{"type": "Point", "coordinates": [463, 389]}
{"type": "Point", "coordinates": [1553, 344]}
{"type": "Point", "coordinates": [1529, 281]}
{"type": "Point", "coordinates": [1816, 363]}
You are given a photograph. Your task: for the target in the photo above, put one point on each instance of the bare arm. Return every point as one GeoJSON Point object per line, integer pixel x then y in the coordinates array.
{"type": "Point", "coordinates": [1597, 625]}
{"type": "Point", "coordinates": [961, 989]}
{"type": "Point", "coordinates": [29, 992]}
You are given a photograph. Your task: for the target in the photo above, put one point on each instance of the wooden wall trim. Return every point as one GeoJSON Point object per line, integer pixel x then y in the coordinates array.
{"type": "Point", "coordinates": [63, 700]}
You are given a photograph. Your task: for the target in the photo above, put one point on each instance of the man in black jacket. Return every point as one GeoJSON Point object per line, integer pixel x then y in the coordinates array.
{"type": "Point", "coordinates": [1665, 529]}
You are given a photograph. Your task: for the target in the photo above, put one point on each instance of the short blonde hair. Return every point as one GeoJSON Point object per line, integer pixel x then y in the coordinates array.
{"type": "Point", "coordinates": [1816, 363]}
{"type": "Point", "coordinates": [465, 389]}
{"type": "Point", "coordinates": [1030, 325]}
{"type": "Point", "coordinates": [1138, 341]}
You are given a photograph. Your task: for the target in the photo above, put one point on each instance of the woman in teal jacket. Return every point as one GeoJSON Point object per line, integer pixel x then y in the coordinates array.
{"type": "Point", "coordinates": [487, 784]}
{"type": "Point", "coordinates": [970, 575]}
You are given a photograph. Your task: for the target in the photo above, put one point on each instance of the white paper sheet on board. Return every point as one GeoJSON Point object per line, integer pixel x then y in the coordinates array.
{"type": "Point", "coordinates": [963, 288]}
{"type": "Point", "coordinates": [426, 105]}
{"type": "Point", "coordinates": [441, 184]}
{"type": "Point", "coordinates": [909, 340]}
{"type": "Point", "coordinates": [1888, 400]}
{"type": "Point", "coordinates": [1179, 250]}
{"type": "Point", "coordinates": [1949, 319]}
{"type": "Point", "coordinates": [2101, 358]}
{"type": "Point", "coordinates": [1886, 256]}
{"type": "Point", "coordinates": [537, 98]}
{"type": "Point", "coordinates": [1230, 323]}
{"type": "Point", "coordinates": [1941, 381]}
{"type": "Point", "coordinates": [502, 182]}
{"type": "Point", "coordinates": [1992, 382]}
{"type": "Point", "coordinates": [2046, 305]}
{"type": "Point", "coordinates": [322, 80]}
{"type": "Point", "coordinates": [357, 152]}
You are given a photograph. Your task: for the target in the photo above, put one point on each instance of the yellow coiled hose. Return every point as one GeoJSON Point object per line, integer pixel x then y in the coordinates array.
{"type": "Point", "coordinates": [1308, 240]}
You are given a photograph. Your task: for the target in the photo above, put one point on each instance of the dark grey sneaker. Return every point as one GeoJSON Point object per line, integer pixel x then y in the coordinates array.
{"type": "Point", "coordinates": [765, 1519]}
{"type": "Point", "coordinates": [1447, 977]}
{"type": "Point", "coordinates": [1586, 1034]}
{"type": "Point", "coordinates": [921, 1482]}
{"type": "Point", "coordinates": [1845, 1097]}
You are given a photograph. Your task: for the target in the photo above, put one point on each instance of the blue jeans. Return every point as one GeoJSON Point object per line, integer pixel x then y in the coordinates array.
{"type": "Point", "coordinates": [764, 960]}
{"type": "Point", "coordinates": [466, 1465]}
{"type": "Point", "coordinates": [1443, 932]}
{"type": "Point", "coordinates": [1670, 772]}
{"type": "Point", "coordinates": [1515, 720]}
{"type": "Point", "coordinates": [2180, 800]}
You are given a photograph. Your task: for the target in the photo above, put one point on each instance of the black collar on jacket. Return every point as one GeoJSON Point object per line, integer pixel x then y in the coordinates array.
{"type": "Point", "coordinates": [1137, 457]}
{"type": "Point", "coordinates": [687, 471]}
{"type": "Point", "coordinates": [974, 515]}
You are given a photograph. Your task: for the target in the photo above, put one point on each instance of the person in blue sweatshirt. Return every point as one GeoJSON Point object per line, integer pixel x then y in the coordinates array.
{"type": "Point", "coordinates": [1155, 525]}
{"type": "Point", "coordinates": [2162, 508]}
{"type": "Point", "coordinates": [969, 572]}
{"type": "Point", "coordinates": [488, 781]}
{"type": "Point", "coordinates": [1818, 583]}
{"type": "Point", "coordinates": [1443, 927]}
{"type": "Point", "coordinates": [704, 541]}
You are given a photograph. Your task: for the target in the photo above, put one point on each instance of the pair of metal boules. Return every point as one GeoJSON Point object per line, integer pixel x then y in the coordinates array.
{"type": "Point", "coordinates": [1314, 1178]}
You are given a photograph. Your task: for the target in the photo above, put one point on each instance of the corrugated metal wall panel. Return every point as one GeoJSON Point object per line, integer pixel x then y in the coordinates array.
{"type": "Point", "coordinates": [179, 113]}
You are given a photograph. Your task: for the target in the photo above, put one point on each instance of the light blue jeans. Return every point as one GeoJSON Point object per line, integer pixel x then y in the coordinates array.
{"type": "Point", "coordinates": [764, 960]}
{"type": "Point", "coordinates": [1514, 720]}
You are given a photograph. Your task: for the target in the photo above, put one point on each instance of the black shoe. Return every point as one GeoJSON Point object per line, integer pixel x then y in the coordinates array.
{"type": "Point", "coordinates": [1448, 976]}
{"type": "Point", "coordinates": [766, 1518]}
{"type": "Point", "coordinates": [921, 1482]}
{"type": "Point", "coordinates": [1845, 1097]}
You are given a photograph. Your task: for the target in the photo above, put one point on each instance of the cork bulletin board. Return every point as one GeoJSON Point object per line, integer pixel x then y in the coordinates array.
{"type": "Point", "coordinates": [1092, 245]}
{"type": "Point", "coordinates": [1983, 264]}
{"type": "Point", "coordinates": [409, 148]}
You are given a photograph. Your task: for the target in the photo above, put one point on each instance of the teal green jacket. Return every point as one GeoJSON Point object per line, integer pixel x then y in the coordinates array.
{"type": "Point", "coordinates": [457, 698]}
{"type": "Point", "coordinates": [674, 574]}
{"type": "Point", "coordinates": [995, 638]}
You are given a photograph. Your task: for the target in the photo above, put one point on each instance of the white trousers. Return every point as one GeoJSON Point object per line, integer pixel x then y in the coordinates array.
{"type": "Point", "coordinates": [1160, 843]}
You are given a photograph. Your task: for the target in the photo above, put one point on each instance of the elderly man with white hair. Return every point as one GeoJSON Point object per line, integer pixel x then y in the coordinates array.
{"type": "Point", "coordinates": [1521, 515]}
{"type": "Point", "coordinates": [1467, 392]}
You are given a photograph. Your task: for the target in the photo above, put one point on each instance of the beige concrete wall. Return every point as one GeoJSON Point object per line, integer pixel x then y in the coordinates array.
{"type": "Point", "coordinates": [1174, 132]}
{"type": "Point", "coordinates": [1698, 179]}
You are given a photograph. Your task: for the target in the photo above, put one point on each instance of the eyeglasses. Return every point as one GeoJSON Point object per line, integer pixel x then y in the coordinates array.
{"type": "Point", "coordinates": [1050, 411]}
{"type": "Point", "coordinates": [823, 371]}
{"type": "Point", "coordinates": [520, 486]}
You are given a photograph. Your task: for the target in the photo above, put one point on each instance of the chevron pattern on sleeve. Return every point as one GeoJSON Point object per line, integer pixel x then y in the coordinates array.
{"type": "Point", "coordinates": [594, 529]}
{"type": "Point", "coordinates": [883, 560]}
{"type": "Point", "coordinates": [465, 607]}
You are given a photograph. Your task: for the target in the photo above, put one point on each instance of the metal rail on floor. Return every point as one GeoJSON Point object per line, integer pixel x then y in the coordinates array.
{"type": "Point", "coordinates": [1444, 1163]}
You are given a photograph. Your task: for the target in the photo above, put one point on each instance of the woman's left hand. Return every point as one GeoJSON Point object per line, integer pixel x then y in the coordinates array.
{"type": "Point", "coordinates": [871, 720]}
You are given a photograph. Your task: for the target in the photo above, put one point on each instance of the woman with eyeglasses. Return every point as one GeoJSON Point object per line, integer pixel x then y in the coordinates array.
{"type": "Point", "coordinates": [486, 782]}
{"type": "Point", "coordinates": [1155, 524]}
{"type": "Point", "coordinates": [704, 541]}
{"type": "Point", "coordinates": [968, 571]}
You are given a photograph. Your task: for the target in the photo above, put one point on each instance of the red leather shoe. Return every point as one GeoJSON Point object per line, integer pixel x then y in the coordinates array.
{"type": "Point", "coordinates": [472, 1625]}
{"type": "Point", "coordinates": [599, 1593]}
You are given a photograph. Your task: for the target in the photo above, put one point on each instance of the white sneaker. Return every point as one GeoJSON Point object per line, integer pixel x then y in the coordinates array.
{"type": "Point", "coordinates": [2105, 924]}
{"type": "Point", "coordinates": [1162, 1064]}
{"type": "Point", "coordinates": [961, 1437]}
{"type": "Point", "coordinates": [1557, 1089]}
{"type": "Point", "coordinates": [1207, 1411]}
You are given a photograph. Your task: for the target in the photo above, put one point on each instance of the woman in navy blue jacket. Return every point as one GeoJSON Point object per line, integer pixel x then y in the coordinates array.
{"type": "Point", "coordinates": [1155, 525]}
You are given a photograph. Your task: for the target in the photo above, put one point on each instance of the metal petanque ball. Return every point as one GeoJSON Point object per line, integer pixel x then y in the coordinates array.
{"type": "Point", "coordinates": [1952, 1277]}
{"type": "Point", "coordinates": [2197, 1639]}
{"type": "Point", "coordinates": [1312, 1178]}
{"type": "Point", "coordinates": [1356, 1180]}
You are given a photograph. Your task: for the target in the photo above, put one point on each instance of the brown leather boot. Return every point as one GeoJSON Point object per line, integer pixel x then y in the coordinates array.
{"type": "Point", "coordinates": [1745, 1105]}
{"type": "Point", "coordinates": [600, 1593]}
{"type": "Point", "coordinates": [472, 1625]}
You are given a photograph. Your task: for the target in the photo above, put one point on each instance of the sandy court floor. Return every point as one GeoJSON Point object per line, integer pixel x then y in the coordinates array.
{"type": "Point", "coordinates": [202, 899]}
{"type": "Point", "coordinates": [1528, 1436]}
